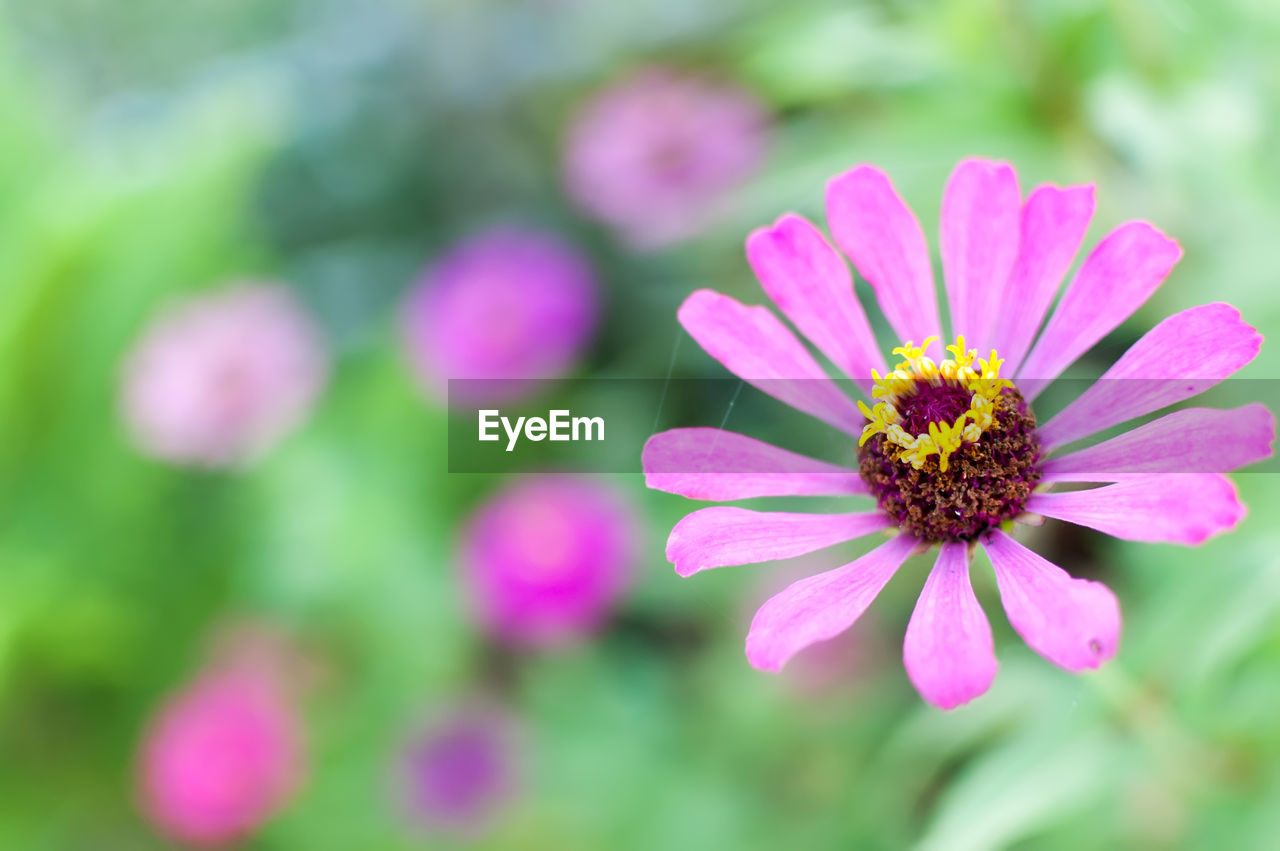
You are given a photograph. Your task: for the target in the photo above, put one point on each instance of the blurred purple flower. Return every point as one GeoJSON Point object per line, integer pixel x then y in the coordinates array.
{"type": "Point", "coordinates": [656, 154]}
{"type": "Point", "coordinates": [459, 771]}
{"type": "Point", "coordinates": [219, 378]}
{"type": "Point", "coordinates": [506, 303]}
{"type": "Point", "coordinates": [546, 560]}
{"type": "Point", "coordinates": [220, 758]}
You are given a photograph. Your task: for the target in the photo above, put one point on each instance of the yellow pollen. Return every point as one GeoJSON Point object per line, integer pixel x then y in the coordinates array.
{"type": "Point", "coordinates": [979, 376]}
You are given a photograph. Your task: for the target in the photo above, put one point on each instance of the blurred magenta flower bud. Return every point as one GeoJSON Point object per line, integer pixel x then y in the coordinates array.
{"type": "Point", "coordinates": [461, 769]}
{"type": "Point", "coordinates": [221, 757]}
{"type": "Point", "coordinates": [546, 560]}
{"type": "Point", "coordinates": [219, 378]}
{"type": "Point", "coordinates": [506, 303]}
{"type": "Point", "coordinates": [655, 155]}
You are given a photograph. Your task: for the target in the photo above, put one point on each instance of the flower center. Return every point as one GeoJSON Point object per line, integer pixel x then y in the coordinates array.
{"type": "Point", "coordinates": [950, 449]}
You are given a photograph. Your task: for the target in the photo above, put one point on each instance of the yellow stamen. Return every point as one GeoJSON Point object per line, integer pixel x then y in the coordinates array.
{"type": "Point", "coordinates": [981, 377]}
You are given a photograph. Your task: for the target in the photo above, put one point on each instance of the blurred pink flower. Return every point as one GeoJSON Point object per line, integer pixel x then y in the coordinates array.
{"type": "Point", "coordinates": [220, 377]}
{"type": "Point", "coordinates": [546, 560]}
{"type": "Point", "coordinates": [221, 757]}
{"type": "Point", "coordinates": [461, 769]}
{"type": "Point", "coordinates": [656, 154]}
{"type": "Point", "coordinates": [506, 303]}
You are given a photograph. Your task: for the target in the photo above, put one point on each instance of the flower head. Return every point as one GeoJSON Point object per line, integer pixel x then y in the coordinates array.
{"type": "Point", "coordinates": [547, 559]}
{"type": "Point", "coordinates": [461, 769]}
{"type": "Point", "coordinates": [219, 378]}
{"type": "Point", "coordinates": [654, 154]}
{"type": "Point", "coordinates": [504, 304]}
{"type": "Point", "coordinates": [950, 448]}
{"type": "Point", "coordinates": [220, 758]}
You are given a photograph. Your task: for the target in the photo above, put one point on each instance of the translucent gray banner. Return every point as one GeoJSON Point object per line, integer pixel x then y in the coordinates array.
{"type": "Point", "coordinates": [1100, 430]}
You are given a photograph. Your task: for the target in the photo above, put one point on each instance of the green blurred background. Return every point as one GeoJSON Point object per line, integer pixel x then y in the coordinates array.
{"type": "Point", "coordinates": [151, 147]}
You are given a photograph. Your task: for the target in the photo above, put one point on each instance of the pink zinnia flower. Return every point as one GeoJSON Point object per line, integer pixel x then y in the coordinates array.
{"type": "Point", "coordinates": [950, 449]}
{"type": "Point", "coordinates": [460, 770]}
{"type": "Point", "coordinates": [220, 377]}
{"type": "Point", "coordinates": [506, 303]}
{"type": "Point", "coordinates": [221, 757]}
{"type": "Point", "coordinates": [547, 559]}
{"type": "Point", "coordinates": [656, 154]}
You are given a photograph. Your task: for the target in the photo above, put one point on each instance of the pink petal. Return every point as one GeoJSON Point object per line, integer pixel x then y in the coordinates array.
{"type": "Point", "coordinates": [1074, 623]}
{"type": "Point", "coordinates": [1173, 507]}
{"type": "Point", "coordinates": [755, 346]}
{"type": "Point", "coordinates": [879, 233]}
{"type": "Point", "coordinates": [812, 285]}
{"type": "Point", "coordinates": [1116, 278]}
{"type": "Point", "coordinates": [822, 606]}
{"type": "Point", "coordinates": [710, 464]}
{"type": "Point", "coordinates": [979, 236]}
{"type": "Point", "coordinates": [948, 652]}
{"type": "Point", "coordinates": [1181, 357]}
{"type": "Point", "coordinates": [720, 536]}
{"type": "Point", "coordinates": [1195, 440]}
{"type": "Point", "coordinates": [1053, 224]}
